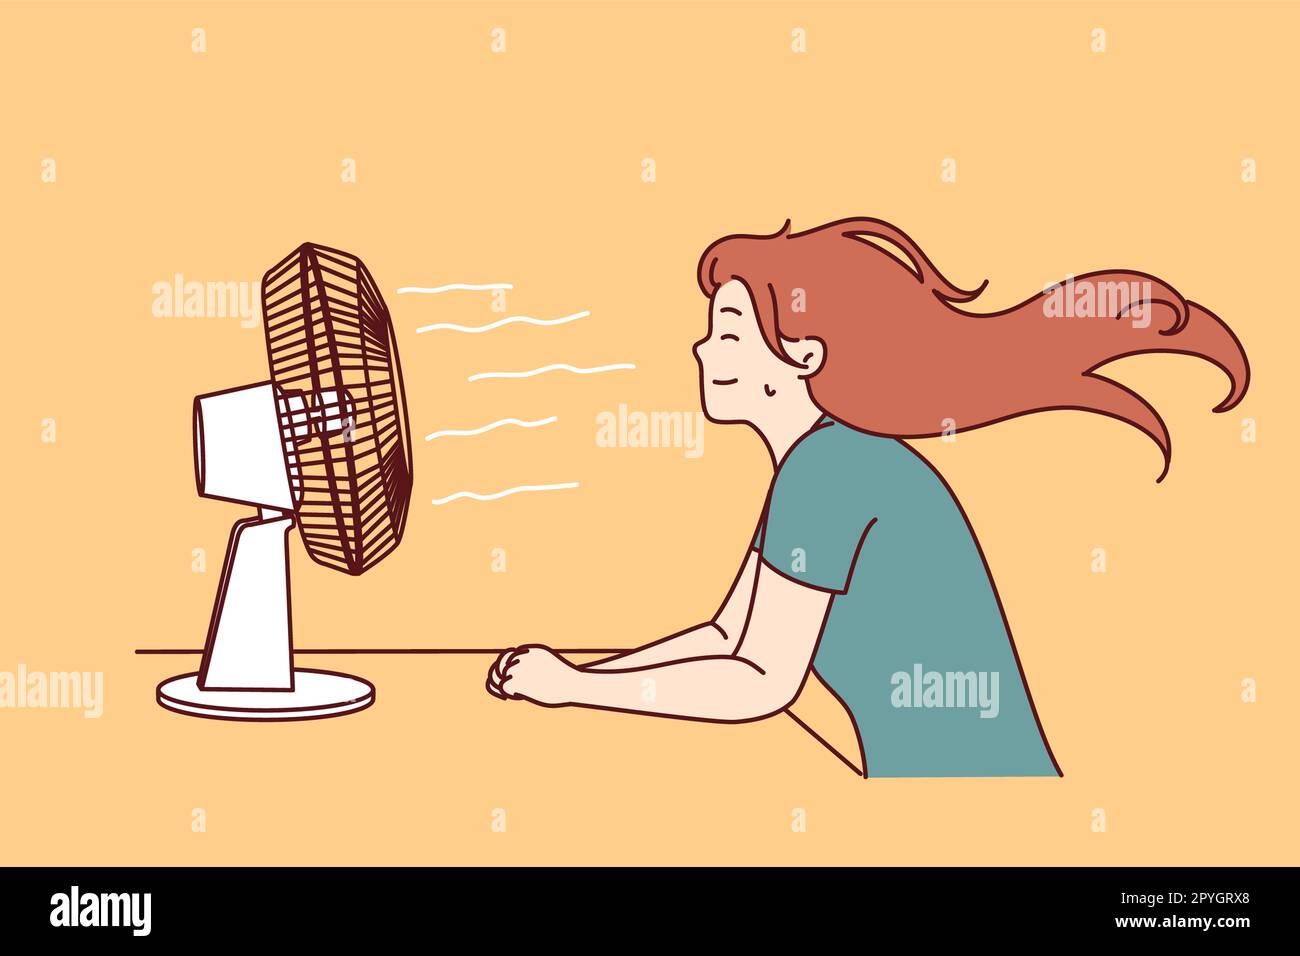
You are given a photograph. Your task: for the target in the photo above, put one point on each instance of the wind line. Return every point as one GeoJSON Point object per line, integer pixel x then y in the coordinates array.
{"type": "Point", "coordinates": [509, 320]}
{"type": "Point", "coordinates": [465, 432]}
{"type": "Point", "coordinates": [557, 367]}
{"type": "Point", "coordinates": [450, 286]}
{"type": "Point", "coordinates": [501, 494]}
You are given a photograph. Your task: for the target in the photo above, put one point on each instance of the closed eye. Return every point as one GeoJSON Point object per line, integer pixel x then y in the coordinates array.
{"type": "Point", "coordinates": [729, 338]}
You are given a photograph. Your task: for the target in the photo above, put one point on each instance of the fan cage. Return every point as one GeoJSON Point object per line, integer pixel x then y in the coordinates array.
{"type": "Point", "coordinates": [347, 443]}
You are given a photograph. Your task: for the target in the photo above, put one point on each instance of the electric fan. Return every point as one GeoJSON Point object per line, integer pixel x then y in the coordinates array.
{"type": "Point", "coordinates": [324, 444]}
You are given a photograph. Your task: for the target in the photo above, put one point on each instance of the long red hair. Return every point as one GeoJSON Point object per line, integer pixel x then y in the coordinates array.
{"type": "Point", "coordinates": [905, 359]}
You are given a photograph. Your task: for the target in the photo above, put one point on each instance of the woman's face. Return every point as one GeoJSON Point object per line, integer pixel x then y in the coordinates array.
{"type": "Point", "coordinates": [739, 375]}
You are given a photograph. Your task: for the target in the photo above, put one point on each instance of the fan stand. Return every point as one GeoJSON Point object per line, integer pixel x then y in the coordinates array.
{"type": "Point", "coordinates": [247, 671]}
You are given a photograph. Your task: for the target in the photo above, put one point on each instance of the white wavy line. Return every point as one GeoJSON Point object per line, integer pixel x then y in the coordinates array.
{"type": "Point", "coordinates": [463, 286]}
{"type": "Point", "coordinates": [466, 432]}
{"type": "Point", "coordinates": [557, 367]}
{"type": "Point", "coordinates": [500, 322]}
{"type": "Point", "coordinates": [501, 494]}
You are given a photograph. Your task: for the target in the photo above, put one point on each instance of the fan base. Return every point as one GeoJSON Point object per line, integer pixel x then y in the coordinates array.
{"type": "Point", "coordinates": [316, 695]}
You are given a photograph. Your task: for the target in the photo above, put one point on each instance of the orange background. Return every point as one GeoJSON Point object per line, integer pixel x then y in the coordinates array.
{"type": "Point", "coordinates": [525, 167]}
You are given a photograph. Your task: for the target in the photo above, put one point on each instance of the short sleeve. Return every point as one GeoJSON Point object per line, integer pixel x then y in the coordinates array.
{"type": "Point", "coordinates": [817, 515]}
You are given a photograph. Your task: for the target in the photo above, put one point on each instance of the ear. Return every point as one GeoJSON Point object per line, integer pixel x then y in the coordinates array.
{"type": "Point", "coordinates": [809, 354]}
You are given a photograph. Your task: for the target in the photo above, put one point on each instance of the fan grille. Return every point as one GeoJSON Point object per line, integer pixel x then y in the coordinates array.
{"type": "Point", "coordinates": [347, 444]}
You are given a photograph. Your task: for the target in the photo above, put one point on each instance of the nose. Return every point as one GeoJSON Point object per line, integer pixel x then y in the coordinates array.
{"type": "Point", "coordinates": [696, 350]}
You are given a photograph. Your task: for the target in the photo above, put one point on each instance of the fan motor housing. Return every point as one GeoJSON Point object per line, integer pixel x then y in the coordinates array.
{"type": "Point", "coordinates": [237, 448]}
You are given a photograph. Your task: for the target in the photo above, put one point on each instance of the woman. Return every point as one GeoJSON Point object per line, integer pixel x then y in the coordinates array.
{"type": "Point", "coordinates": [834, 344]}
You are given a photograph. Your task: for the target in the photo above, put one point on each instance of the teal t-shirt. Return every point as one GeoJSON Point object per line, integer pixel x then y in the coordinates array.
{"type": "Point", "coordinates": [915, 643]}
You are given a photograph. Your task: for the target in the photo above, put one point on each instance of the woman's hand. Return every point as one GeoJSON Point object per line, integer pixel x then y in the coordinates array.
{"type": "Point", "coordinates": [497, 673]}
{"type": "Point", "coordinates": [532, 672]}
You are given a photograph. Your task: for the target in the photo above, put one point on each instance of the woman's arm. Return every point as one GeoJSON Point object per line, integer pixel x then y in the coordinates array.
{"type": "Point", "coordinates": [718, 637]}
{"type": "Point", "coordinates": [760, 680]}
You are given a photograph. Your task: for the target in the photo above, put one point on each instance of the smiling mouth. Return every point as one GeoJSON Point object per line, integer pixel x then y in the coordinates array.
{"type": "Point", "coordinates": [725, 381]}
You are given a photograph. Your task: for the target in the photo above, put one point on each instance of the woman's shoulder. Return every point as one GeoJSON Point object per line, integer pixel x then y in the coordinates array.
{"type": "Point", "coordinates": [831, 442]}
{"type": "Point", "coordinates": [836, 454]}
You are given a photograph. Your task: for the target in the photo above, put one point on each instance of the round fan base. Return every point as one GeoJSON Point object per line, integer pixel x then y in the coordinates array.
{"type": "Point", "coordinates": [316, 695]}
